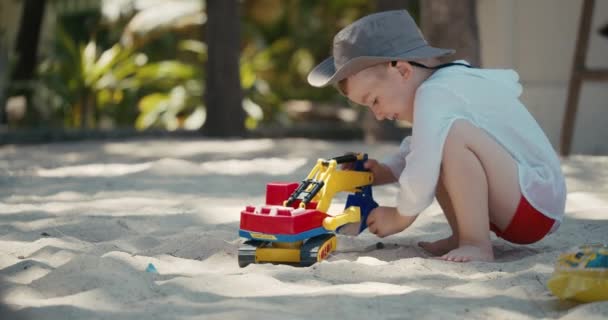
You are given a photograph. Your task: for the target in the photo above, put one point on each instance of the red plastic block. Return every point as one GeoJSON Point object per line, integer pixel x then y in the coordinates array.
{"type": "Point", "coordinates": [284, 212]}
{"type": "Point", "coordinates": [280, 223]}
{"type": "Point", "coordinates": [277, 192]}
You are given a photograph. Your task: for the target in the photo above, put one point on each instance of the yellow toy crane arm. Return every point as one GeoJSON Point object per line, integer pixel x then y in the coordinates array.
{"type": "Point", "coordinates": [324, 181]}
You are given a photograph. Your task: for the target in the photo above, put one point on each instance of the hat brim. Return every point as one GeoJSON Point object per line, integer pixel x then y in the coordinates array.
{"type": "Point", "coordinates": [325, 73]}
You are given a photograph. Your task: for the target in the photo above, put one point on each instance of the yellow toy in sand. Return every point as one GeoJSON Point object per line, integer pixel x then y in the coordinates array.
{"type": "Point", "coordinates": [582, 274]}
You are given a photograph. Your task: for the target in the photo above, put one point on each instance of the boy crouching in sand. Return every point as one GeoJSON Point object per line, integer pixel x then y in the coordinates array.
{"type": "Point", "coordinates": [474, 146]}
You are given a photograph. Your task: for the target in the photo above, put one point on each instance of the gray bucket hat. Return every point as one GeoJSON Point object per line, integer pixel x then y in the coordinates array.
{"type": "Point", "coordinates": [376, 38]}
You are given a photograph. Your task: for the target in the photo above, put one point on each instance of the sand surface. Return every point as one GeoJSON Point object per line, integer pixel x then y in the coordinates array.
{"type": "Point", "coordinates": [81, 222]}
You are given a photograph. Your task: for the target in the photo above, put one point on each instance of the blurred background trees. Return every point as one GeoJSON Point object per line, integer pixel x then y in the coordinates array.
{"type": "Point", "coordinates": [226, 67]}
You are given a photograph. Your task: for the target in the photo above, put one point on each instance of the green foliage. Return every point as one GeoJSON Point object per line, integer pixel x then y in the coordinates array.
{"type": "Point", "coordinates": [284, 40]}
{"type": "Point", "coordinates": [170, 110]}
{"type": "Point", "coordinates": [179, 105]}
{"type": "Point", "coordinates": [87, 85]}
{"type": "Point", "coordinates": [89, 82]}
{"type": "Point", "coordinates": [155, 79]}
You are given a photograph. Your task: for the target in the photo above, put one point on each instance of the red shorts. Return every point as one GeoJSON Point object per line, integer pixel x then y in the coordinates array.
{"type": "Point", "coordinates": [528, 225]}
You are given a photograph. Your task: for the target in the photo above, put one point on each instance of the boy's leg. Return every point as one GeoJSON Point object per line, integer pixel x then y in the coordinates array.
{"type": "Point", "coordinates": [481, 179]}
{"type": "Point", "coordinates": [445, 245]}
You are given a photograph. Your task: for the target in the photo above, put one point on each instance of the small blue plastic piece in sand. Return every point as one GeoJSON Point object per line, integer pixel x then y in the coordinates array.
{"type": "Point", "coordinates": [151, 268]}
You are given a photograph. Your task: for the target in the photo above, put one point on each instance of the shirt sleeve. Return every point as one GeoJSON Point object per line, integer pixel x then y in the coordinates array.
{"type": "Point", "coordinates": [396, 162]}
{"type": "Point", "coordinates": [435, 109]}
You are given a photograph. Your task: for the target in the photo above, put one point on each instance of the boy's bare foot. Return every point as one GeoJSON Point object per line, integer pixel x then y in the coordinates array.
{"type": "Point", "coordinates": [466, 253]}
{"type": "Point", "coordinates": [440, 247]}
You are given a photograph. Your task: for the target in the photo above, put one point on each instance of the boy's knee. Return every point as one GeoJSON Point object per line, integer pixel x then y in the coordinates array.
{"type": "Point", "coordinates": [456, 139]}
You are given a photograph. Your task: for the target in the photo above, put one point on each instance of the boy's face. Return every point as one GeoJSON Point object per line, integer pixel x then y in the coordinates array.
{"type": "Point", "coordinates": [387, 90]}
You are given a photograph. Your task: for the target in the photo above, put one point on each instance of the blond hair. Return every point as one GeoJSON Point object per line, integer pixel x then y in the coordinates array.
{"type": "Point", "coordinates": [342, 85]}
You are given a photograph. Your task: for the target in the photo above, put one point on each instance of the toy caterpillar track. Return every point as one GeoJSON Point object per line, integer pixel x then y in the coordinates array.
{"type": "Point", "coordinates": [293, 227]}
{"type": "Point", "coordinates": [312, 250]}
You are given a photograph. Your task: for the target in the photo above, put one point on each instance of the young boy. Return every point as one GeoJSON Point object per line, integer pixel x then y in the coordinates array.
{"type": "Point", "coordinates": [474, 146]}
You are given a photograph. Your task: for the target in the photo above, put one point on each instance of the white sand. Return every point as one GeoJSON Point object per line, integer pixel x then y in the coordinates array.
{"type": "Point", "coordinates": [79, 224]}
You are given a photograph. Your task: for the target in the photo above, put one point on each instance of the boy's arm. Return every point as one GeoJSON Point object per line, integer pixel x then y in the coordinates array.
{"type": "Point", "coordinates": [393, 165]}
{"type": "Point", "coordinates": [382, 173]}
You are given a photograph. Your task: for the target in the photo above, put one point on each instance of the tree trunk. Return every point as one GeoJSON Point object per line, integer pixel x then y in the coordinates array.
{"type": "Point", "coordinates": [223, 94]}
{"type": "Point", "coordinates": [27, 51]}
{"type": "Point", "coordinates": [27, 39]}
{"type": "Point", "coordinates": [446, 24]}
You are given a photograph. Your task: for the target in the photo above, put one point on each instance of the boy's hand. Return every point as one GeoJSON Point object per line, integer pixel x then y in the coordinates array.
{"type": "Point", "coordinates": [372, 165]}
{"type": "Point", "coordinates": [348, 165]}
{"type": "Point", "coordinates": [384, 221]}
{"type": "Point", "coordinates": [382, 174]}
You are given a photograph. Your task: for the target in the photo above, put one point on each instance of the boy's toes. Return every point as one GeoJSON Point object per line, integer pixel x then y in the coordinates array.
{"type": "Point", "coordinates": [439, 247]}
{"type": "Point", "coordinates": [459, 259]}
{"type": "Point", "coordinates": [455, 258]}
{"type": "Point", "coordinates": [468, 253]}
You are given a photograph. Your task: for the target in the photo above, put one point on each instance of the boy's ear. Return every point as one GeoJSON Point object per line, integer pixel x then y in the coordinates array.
{"type": "Point", "coordinates": [404, 68]}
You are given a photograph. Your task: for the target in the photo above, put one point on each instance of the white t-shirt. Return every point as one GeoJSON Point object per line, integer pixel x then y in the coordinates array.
{"type": "Point", "coordinates": [488, 99]}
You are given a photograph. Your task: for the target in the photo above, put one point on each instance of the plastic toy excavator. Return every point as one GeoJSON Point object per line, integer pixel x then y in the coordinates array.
{"type": "Point", "coordinates": [294, 227]}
